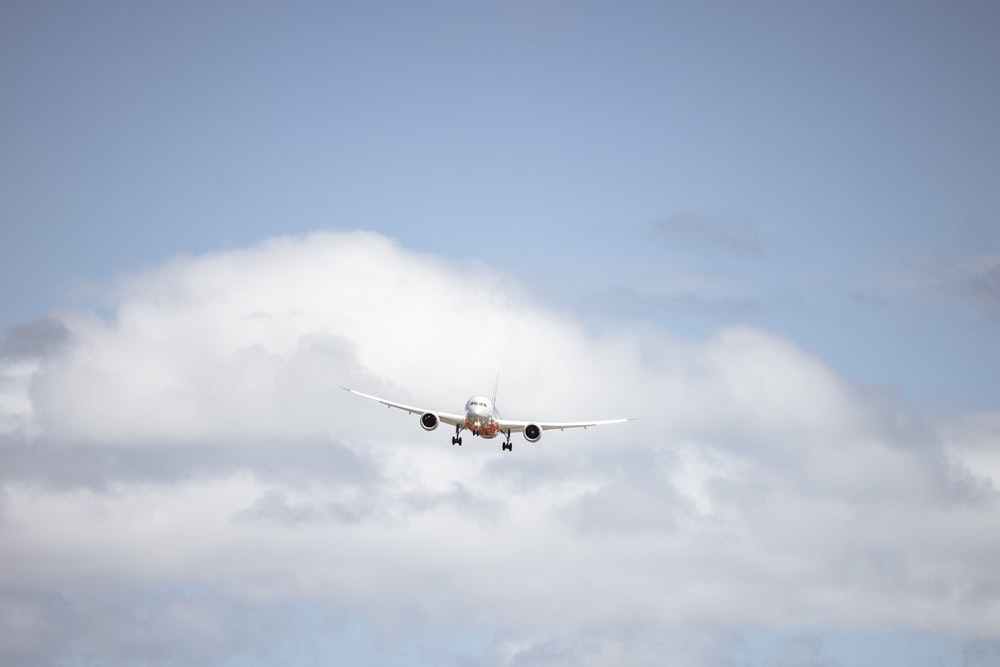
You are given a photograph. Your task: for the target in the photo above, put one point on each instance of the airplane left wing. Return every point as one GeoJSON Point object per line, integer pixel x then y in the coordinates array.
{"type": "Point", "coordinates": [519, 426]}
{"type": "Point", "coordinates": [445, 417]}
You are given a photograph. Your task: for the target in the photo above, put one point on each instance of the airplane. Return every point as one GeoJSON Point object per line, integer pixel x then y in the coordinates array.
{"type": "Point", "coordinates": [483, 419]}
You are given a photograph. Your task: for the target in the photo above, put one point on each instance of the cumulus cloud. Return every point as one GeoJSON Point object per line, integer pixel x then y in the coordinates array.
{"type": "Point", "coordinates": [39, 338]}
{"type": "Point", "coordinates": [193, 453]}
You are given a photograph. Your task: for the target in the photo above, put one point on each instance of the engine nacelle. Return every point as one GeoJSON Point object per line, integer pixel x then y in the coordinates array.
{"type": "Point", "coordinates": [429, 421]}
{"type": "Point", "coordinates": [532, 432]}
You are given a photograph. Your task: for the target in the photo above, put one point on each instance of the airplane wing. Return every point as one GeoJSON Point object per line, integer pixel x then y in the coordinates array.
{"type": "Point", "coordinates": [518, 426]}
{"type": "Point", "coordinates": [445, 417]}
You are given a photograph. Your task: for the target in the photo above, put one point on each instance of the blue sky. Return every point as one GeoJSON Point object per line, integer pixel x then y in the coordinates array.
{"type": "Point", "coordinates": [855, 145]}
{"type": "Point", "coordinates": [808, 185]}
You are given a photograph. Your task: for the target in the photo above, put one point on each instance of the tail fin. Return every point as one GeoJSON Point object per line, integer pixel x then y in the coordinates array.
{"type": "Point", "coordinates": [496, 385]}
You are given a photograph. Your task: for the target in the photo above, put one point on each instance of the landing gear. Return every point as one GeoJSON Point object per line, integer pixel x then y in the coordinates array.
{"type": "Point", "coordinates": [507, 446]}
{"type": "Point", "coordinates": [457, 439]}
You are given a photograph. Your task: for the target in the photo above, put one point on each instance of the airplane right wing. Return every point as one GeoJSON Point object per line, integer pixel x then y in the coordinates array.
{"type": "Point", "coordinates": [445, 417]}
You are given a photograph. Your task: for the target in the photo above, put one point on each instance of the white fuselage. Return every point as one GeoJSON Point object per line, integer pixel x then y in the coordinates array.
{"type": "Point", "coordinates": [481, 417]}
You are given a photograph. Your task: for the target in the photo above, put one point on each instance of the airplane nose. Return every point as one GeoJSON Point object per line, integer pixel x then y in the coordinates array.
{"type": "Point", "coordinates": [479, 413]}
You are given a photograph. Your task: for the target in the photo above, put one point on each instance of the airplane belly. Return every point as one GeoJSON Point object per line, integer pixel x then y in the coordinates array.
{"type": "Point", "coordinates": [482, 428]}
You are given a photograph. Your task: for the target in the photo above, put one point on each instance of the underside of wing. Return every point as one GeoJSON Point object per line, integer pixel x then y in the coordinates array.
{"type": "Point", "coordinates": [519, 426]}
{"type": "Point", "coordinates": [445, 417]}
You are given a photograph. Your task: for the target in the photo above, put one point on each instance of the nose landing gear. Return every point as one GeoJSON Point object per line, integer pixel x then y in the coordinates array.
{"type": "Point", "coordinates": [506, 446]}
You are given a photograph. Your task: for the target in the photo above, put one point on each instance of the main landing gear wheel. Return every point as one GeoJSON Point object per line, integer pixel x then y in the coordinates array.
{"type": "Point", "coordinates": [508, 447]}
{"type": "Point", "coordinates": [456, 441]}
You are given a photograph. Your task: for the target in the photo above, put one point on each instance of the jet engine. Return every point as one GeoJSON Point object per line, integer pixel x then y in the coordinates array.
{"type": "Point", "coordinates": [429, 421]}
{"type": "Point", "coordinates": [532, 432]}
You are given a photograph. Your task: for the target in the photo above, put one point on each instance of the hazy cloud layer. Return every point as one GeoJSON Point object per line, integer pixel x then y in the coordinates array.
{"type": "Point", "coordinates": [188, 472]}
{"type": "Point", "coordinates": [972, 281]}
{"type": "Point", "coordinates": [709, 232]}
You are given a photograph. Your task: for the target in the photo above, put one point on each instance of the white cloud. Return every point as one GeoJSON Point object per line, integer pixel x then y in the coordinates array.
{"type": "Point", "coordinates": [198, 438]}
{"type": "Point", "coordinates": [15, 403]}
